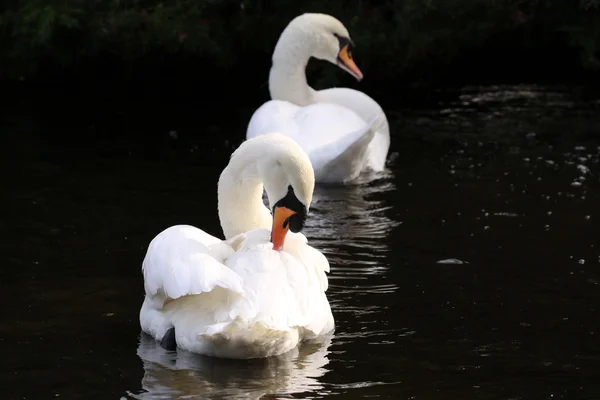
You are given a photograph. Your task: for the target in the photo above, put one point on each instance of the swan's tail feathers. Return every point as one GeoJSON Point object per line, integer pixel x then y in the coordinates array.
{"type": "Point", "coordinates": [343, 160]}
{"type": "Point", "coordinates": [243, 339]}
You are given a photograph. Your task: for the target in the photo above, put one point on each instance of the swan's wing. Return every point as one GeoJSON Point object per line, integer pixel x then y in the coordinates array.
{"type": "Point", "coordinates": [273, 116]}
{"type": "Point", "coordinates": [324, 130]}
{"type": "Point", "coordinates": [307, 269]}
{"type": "Point", "coordinates": [281, 289]}
{"type": "Point", "coordinates": [344, 159]}
{"type": "Point", "coordinates": [296, 244]}
{"type": "Point", "coordinates": [366, 108]}
{"type": "Point", "coordinates": [312, 126]}
{"type": "Point", "coordinates": [259, 238]}
{"type": "Point", "coordinates": [357, 101]}
{"type": "Point", "coordinates": [183, 260]}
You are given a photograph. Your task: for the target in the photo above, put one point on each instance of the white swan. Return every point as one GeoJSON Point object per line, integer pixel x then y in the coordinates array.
{"type": "Point", "coordinates": [262, 290]}
{"type": "Point", "coordinates": [344, 131]}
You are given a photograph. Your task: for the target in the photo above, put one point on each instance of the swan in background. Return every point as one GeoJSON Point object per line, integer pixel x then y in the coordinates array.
{"type": "Point", "coordinates": [344, 131]}
{"type": "Point", "coordinates": [259, 292]}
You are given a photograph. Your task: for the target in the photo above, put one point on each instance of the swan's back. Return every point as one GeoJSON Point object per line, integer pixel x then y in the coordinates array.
{"type": "Point", "coordinates": [313, 127]}
{"type": "Point", "coordinates": [367, 108]}
{"type": "Point", "coordinates": [236, 298]}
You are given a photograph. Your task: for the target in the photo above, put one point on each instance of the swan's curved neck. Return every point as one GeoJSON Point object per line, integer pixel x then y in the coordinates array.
{"type": "Point", "coordinates": [240, 203]}
{"type": "Point", "coordinates": [287, 79]}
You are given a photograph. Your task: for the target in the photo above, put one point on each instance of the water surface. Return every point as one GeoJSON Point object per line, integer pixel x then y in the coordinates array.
{"type": "Point", "coordinates": [469, 270]}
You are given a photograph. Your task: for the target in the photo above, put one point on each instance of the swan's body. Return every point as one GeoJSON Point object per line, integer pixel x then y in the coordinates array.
{"type": "Point", "coordinates": [343, 130]}
{"type": "Point", "coordinates": [241, 298]}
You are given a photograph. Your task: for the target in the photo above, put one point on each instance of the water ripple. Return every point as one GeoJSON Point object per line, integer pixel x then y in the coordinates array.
{"type": "Point", "coordinates": [375, 289]}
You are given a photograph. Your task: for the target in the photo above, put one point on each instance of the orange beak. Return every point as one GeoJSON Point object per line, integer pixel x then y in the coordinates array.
{"type": "Point", "coordinates": [346, 62]}
{"type": "Point", "coordinates": [281, 225]}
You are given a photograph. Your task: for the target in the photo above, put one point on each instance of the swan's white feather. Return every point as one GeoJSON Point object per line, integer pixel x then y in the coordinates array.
{"type": "Point", "coordinates": [332, 135]}
{"type": "Point", "coordinates": [179, 263]}
{"type": "Point", "coordinates": [236, 298]}
{"type": "Point", "coordinates": [321, 119]}
{"type": "Point", "coordinates": [367, 109]}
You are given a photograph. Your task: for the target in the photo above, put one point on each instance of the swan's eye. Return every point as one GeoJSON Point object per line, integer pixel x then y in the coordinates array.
{"type": "Point", "coordinates": [343, 42]}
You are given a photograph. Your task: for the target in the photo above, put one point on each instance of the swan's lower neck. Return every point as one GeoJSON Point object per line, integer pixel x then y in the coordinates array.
{"type": "Point", "coordinates": [287, 81]}
{"type": "Point", "coordinates": [240, 203]}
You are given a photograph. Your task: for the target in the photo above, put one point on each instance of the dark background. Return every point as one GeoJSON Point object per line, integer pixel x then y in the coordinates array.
{"type": "Point", "coordinates": [116, 118]}
{"type": "Point", "coordinates": [178, 65]}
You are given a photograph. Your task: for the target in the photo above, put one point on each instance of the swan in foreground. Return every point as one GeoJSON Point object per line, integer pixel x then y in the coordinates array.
{"type": "Point", "coordinates": [259, 292]}
{"type": "Point", "coordinates": [344, 131]}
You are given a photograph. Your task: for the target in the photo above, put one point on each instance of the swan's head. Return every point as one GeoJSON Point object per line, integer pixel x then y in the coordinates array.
{"type": "Point", "coordinates": [324, 37]}
{"type": "Point", "coordinates": [289, 181]}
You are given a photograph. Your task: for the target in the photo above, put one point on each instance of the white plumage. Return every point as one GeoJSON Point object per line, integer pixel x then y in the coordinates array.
{"type": "Point", "coordinates": [344, 131]}
{"type": "Point", "coordinates": [239, 298]}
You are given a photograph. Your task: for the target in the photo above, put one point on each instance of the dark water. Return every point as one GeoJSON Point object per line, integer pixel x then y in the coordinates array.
{"type": "Point", "coordinates": [469, 270]}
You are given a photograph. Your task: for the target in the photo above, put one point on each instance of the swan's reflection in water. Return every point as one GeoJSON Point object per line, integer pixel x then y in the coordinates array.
{"type": "Point", "coordinates": [185, 375]}
{"type": "Point", "coordinates": [350, 226]}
